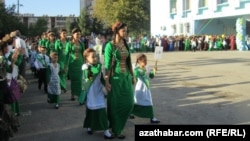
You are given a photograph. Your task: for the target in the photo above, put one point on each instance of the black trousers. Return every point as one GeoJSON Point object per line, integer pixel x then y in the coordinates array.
{"type": "Point", "coordinates": [42, 79]}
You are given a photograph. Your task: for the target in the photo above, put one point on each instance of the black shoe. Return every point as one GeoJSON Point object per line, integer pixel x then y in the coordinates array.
{"type": "Point", "coordinates": [90, 132]}
{"type": "Point", "coordinates": [73, 98]}
{"type": "Point", "coordinates": [109, 137]}
{"type": "Point", "coordinates": [48, 100]}
{"type": "Point", "coordinates": [154, 121]}
{"type": "Point", "coordinates": [121, 137]}
{"type": "Point", "coordinates": [131, 117]}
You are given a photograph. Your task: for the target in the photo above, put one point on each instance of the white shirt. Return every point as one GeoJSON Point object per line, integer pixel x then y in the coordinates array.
{"type": "Point", "coordinates": [38, 64]}
{"type": "Point", "coordinates": [21, 43]}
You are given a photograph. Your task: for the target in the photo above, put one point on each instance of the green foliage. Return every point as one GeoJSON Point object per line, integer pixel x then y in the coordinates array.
{"type": "Point", "coordinates": [39, 27]}
{"type": "Point", "coordinates": [55, 30]}
{"type": "Point", "coordinates": [135, 13]}
{"type": "Point", "coordinates": [84, 22]}
{"type": "Point", "coordinates": [88, 24]}
{"type": "Point", "coordinates": [67, 25]}
{"type": "Point", "coordinates": [9, 22]}
{"type": "Point", "coordinates": [73, 24]}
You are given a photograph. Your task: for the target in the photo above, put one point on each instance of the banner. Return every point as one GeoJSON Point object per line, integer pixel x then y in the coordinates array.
{"type": "Point", "coordinates": [193, 132]}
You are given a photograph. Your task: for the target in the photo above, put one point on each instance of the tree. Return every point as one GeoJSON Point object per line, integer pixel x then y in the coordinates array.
{"type": "Point", "coordinates": [67, 25]}
{"type": "Point", "coordinates": [74, 24]}
{"type": "Point", "coordinates": [135, 13]}
{"type": "Point", "coordinates": [39, 27]}
{"type": "Point", "coordinates": [85, 22]}
{"type": "Point", "coordinates": [98, 27]}
{"type": "Point", "coordinates": [9, 22]}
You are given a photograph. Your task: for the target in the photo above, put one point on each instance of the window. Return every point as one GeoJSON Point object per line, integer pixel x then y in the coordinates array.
{"type": "Point", "coordinates": [181, 28]}
{"type": "Point", "coordinates": [222, 1]}
{"type": "Point", "coordinates": [173, 6]}
{"type": "Point", "coordinates": [173, 28]}
{"type": "Point", "coordinates": [187, 27]}
{"type": "Point", "coordinates": [186, 5]}
{"type": "Point", "coordinates": [202, 3]}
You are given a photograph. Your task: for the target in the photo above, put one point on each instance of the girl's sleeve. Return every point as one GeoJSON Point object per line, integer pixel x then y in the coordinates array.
{"type": "Point", "coordinates": [102, 79]}
{"type": "Point", "coordinates": [108, 56]}
{"type": "Point", "coordinates": [151, 73]}
{"type": "Point", "coordinates": [57, 46]}
{"type": "Point", "coordinates": [67, 51]}
{"type": "Point", "coordinates": [136, 74]}
{"type": "Point", "coordinates": [85, 72]}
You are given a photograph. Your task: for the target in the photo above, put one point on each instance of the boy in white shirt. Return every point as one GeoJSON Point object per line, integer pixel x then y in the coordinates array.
{"type": "Point", "coordinates": [41, 63]}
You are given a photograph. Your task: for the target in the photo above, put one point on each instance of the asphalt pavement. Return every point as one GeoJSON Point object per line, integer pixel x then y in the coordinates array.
{"type": "Point", "coordinates": [189, 88]}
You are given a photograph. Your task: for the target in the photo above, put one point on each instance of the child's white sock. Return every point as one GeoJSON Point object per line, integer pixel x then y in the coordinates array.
{"type": "Point", "coordinates": [154, 119]}
{"type": "Point", "coordinates": [107, 133]}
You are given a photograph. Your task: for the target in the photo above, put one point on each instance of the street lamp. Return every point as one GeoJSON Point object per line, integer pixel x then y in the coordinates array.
{"type": "Point", "coordinates": [18, 5]}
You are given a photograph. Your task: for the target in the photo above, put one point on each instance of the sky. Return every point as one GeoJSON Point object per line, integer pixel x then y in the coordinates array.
{"type": "Point", "coordinates": [47, 7]}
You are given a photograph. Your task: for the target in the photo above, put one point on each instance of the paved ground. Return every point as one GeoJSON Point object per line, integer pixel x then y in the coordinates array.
{"type": "Point", "coordinates": [190, 88]}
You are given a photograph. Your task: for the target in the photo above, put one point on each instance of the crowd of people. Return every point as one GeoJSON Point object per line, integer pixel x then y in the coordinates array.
{"type": "Point", "coordinates": [186, 43]}
{"type": "Point", "coordinates": [100, 71]}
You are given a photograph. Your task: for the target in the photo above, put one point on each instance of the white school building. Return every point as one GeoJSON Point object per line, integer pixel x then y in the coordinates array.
{"type": "Point", "coordinates": [195, 17]}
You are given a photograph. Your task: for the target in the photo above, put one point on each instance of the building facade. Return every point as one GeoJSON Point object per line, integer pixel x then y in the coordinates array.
{"type": "Point", "coordinates": [86, 4]}
{"type": "Point", "coordinates": [58, 22]}
{"type": "Point", "coordinates": [194, 17]}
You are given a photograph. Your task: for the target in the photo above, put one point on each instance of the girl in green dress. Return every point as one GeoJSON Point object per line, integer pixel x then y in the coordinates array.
{"type": "Point", "coordinates": [96, 116]}
{"type": "Point", "coordinates": [118, 80]}
{"type": "Point", "coordinates": [54, 89]}
{"type": "Point", "coordinates": [143, 99]}
{"type": "Point", "coordinates": [43, 40]}
{"type": "Point", "coordinates": [187, 43]}
{"type": "Point", "coordinates": [74, 50]}
{"type": "Point", "coordinates": [60, 47]}
{"type": "Point", "coordinates": [50, 44]}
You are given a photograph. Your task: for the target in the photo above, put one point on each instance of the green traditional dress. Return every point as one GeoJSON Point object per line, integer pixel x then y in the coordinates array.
{"type": "Point", "coordinates": [219, 44]}
{"type": "Point", "coordinates": [96, 115]}
{"type": "Point", "coordinates": [54, 89]}
{"type": "Point", "coordinates": [143, 45]}
{"type": "Point", "coordinates": [60, 48]}
{"type": "Point", "coordinates": [50, 46]}
{"type": "Point", "coordinates": [187, 44]}
{"type": "Point", "coordinates": [76, 60]}
{"type": "Point", "coordinates": [143, 99]}
{"type": "Point", "coordinates": [120, 100]}
{"type": "Point", "coordinates": [42, 42]}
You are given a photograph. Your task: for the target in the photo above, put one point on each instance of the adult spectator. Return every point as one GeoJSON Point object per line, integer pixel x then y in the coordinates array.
{"type": "Point", "coordinates": [20, 43]}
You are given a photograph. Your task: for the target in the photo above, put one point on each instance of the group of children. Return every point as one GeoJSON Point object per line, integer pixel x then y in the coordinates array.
{"type": "Point", "coordinates": [46, 69]}
{"type": "Point", "coordinates": [96, 117]}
